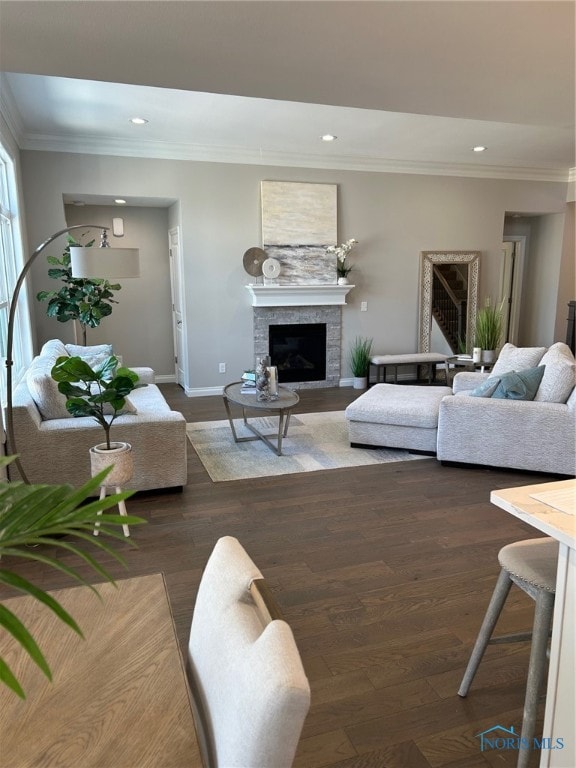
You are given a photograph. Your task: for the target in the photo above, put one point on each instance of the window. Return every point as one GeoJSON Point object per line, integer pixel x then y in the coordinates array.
{"type": "Point", "coordinates": [11, 262]}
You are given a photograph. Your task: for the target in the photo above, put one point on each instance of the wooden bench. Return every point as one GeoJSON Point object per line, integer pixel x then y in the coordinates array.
{"type": "Point", "coordinates": [382, 362]}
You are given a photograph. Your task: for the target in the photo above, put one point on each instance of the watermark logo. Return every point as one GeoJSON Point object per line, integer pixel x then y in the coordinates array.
{"type": "Point", "coordinates": [500, 738]}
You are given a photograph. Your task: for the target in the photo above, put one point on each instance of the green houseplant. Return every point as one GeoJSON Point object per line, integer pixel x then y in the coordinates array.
{"type": "Point", "coordinates": [360, 355]}
{"type": "Point", "coordinates": [86, 300]}
{"type": "Point", "coordinates": [99, 392]}
{"type": "Point", "coordinates": [33, 517]}
{"type": "Point", "coordinates": [488, 331]}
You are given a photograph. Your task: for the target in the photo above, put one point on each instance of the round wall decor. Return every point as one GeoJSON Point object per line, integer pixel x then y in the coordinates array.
{"type": "Point", "coordinates": [271, 268]}
{"type": "Point", "coordinates": [253, 260]}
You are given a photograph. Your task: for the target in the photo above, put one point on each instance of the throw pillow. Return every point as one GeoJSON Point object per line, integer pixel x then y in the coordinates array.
{"type": "Point", "coordinates": [77, 350]}
{"type": "Point", "coordinates": [129, 407]}
{"type": "Point", "coordinates": [522, 385]}
{"type": "Point", "coordinates": [486, 389]}
{"type": "Point", "coordinates": [44, 390]}
{"type": "Point", "coordinates": [559, 377]}
{"type": "Point", "coordinates": [53, 349]}
{"type": "Point", "coordinates": [512, 358]}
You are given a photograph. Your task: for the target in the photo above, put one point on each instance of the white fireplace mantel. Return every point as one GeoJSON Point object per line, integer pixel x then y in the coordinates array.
{"type": "Point", "coordinates": [307, 295]}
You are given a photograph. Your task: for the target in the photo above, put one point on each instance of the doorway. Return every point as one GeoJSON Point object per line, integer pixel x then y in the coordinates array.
{"type": "Point", "coordinates": [511, 275]}
{"type": "Point", "coordinates": [177, 304]}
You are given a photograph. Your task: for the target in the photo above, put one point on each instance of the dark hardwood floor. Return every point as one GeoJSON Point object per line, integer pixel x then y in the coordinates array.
{"type": "Point", "coordinates": [383, 572]}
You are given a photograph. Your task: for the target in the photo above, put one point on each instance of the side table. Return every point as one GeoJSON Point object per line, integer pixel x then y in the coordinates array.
{"type": "Point", "coordinates": [468, 363]}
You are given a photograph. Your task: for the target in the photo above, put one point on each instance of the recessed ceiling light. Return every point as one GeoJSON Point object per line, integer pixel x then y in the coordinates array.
{"type": "Point", "coordinates": [119, 201]}
{"type": "Point", "coordinates": [138, 120]}
{"type": "Point", "coordinates": [479, 148]}
{"type": "Point", "coordinates": [328, 137]}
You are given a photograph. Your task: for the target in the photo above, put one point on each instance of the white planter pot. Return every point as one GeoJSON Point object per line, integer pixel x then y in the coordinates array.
{"type": "Point", "coordinates": [488, 355]}
{"type": "Point", "coordinates": [119, 457]}
{"type": "Point", "coordinates": [343, 281]}
{"type": "Point", "coordinates": [360, 382]}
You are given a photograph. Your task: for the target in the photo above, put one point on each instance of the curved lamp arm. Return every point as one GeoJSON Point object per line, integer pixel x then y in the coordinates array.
{"type": "Point", "coordinates": [11, 448]}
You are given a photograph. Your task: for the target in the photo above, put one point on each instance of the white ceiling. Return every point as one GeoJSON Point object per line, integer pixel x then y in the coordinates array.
{"type": "Point", "coordinates": [407, 85]}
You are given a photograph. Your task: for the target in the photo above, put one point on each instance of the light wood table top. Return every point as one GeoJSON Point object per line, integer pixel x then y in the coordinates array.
{"type": "Point", "coordinates": [119, 698]}
{"type": "Point", "coordinates": [534, 505]}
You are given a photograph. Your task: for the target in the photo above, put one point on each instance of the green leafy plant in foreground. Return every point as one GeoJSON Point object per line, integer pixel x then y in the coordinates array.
{"type": "Point", "coordinates": [33, 517]}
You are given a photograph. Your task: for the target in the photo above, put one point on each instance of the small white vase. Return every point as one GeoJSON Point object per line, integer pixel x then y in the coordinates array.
{"type": "Point", "coordinates": [488, 355]}
{"type": "Point", "coordinates": [360, 382]}
{"type": "Point", "coordinates": [119, 457]}
{"type": "Point", "coordinates": [343, 281]}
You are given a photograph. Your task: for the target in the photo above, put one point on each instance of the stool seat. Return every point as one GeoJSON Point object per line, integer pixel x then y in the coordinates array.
{"type": "Point", "coordinates": [534, 561]}
{"type": "Point", "coordinates": [532, 566]}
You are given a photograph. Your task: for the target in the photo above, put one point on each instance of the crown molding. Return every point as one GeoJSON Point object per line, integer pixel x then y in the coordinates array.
{"type": "Point", "coordinates": [10, 112]}
{"type": "Point", "coordinates": [217, 154]}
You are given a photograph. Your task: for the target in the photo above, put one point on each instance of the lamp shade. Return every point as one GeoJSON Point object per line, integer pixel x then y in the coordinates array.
{"type": "Point", "coordinates": [104, 263]}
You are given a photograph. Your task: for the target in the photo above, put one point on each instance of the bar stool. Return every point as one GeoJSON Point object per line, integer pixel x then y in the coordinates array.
{"type": "Point", "coordinates": [531, 565]}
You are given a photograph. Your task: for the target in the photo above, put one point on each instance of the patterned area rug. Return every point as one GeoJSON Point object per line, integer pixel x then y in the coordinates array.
{"type": "Point", "coordinates": [314, 441]}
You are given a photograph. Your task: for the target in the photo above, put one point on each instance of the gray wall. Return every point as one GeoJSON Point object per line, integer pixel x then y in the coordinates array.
{"type": "Point", "coordinates": [394, 217]}
{"type": "Point", "coordinates": [140, 327]}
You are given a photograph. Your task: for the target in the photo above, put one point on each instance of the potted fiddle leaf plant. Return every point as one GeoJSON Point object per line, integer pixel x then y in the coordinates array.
{"type": "Point", "coordinates": [80, 299]}
{"type": "Point", "coordinates": [360, 356]}
{"type": "Point", "coordinates": [100, 393]}
{"type": "Point", "coordinates": [36, 521]}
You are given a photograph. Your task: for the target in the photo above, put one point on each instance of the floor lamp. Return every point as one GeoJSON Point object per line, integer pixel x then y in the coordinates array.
{"type": "Point", "coordinates": [107, 264]}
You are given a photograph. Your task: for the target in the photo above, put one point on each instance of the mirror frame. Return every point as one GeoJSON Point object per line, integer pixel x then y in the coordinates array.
{"type": "Point", "coordinates": [428, 259]}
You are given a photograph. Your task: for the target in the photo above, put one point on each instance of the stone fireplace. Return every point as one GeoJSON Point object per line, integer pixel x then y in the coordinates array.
{"type": "Point", "coordinates": [306, 305]}
{"type": "Point", "coordinates": [264, 317]}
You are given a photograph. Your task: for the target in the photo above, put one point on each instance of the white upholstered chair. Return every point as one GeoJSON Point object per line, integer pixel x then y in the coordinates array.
{"type": "Point", "coordinates": [249, 686]}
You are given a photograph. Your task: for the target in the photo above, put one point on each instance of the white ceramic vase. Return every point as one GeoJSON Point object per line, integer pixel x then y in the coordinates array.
{"type": "Point", "coordinates": [360, 382]}
{"type": "Point", "coordinates": [119, 457]}
{"type": "Point", "coordinates": [488, 355]}
{"type": "Point", "coordinates": [343, 281]}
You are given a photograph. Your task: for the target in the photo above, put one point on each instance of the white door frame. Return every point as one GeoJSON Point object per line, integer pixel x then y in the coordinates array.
{"type": "Point", "coordinates": [178, 294]}
{"type": "Point", "coordinates": [518, 278]}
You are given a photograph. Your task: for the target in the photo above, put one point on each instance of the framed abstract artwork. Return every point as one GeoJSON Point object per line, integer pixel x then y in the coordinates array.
{"type": "Point", "coordinates": [299, 221]}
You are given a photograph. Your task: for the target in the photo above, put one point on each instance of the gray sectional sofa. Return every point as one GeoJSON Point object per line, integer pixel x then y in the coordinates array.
{"type": "Point", "coordinates": [536, 434]}
{"type": "Point", "coordinates": [53, 445]}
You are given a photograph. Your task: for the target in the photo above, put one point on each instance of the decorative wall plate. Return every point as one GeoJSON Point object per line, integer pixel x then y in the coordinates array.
{"type": "Point", "coordinates": [253, 260]}
{"type": "Point", "coordinates": [271, 268]}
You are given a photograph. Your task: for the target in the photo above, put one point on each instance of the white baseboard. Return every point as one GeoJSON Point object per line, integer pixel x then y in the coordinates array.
{"type": "Point", "coordinates": [165, 378]}
{"type": "Point", "coordinates": [203, 391]}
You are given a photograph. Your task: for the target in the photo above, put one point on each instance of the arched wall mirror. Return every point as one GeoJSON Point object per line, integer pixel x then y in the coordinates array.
{"type": "Point", "coordinates": [448, 297]}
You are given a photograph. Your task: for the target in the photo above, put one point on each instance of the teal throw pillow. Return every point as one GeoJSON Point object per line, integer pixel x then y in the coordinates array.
{"type": "Point", "coordinates": [487, 388]}
{"type": "Point", "coordinates": [521, 385]}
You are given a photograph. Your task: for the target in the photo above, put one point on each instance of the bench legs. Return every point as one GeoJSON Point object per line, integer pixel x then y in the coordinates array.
{"type": "Point", "coordinates": [381, 372]}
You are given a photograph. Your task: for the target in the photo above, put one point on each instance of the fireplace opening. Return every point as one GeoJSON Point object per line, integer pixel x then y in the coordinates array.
{"type": "Point", "coordinates": [298, 351]}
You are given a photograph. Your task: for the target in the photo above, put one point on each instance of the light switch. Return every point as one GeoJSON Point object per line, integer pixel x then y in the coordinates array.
{"type": "Point", "coordinates": [363, 306]}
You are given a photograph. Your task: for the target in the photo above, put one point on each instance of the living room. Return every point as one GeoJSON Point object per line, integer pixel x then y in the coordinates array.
{"type": "Point", "coordinates": [362, 560]}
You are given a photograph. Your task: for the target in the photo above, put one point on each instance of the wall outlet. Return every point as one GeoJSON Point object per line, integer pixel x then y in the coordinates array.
{"type": "Point", "coordinates": [221, 367]}
{"type": "Point", "coordinates": [363, 306]}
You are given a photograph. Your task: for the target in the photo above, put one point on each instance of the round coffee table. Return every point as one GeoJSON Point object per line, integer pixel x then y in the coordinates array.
{"type": "Point", "coordinates": [281, 407]}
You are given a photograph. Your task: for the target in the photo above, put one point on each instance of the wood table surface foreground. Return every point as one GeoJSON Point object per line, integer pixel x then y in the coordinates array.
{"type": "Point", "coordinates": [119, 698]}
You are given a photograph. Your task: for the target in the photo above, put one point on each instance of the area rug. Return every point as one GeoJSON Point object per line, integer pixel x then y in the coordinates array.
{"type": "Point", "coordinates": [315, 441]}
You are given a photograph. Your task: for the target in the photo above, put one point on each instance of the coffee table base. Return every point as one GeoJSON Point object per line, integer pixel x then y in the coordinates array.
{"type": "Point", "coordinates": [283, 424]}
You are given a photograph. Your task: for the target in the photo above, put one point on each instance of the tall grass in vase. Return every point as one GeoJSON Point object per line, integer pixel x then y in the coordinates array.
{"type": "Point", "coordinates": [360, 356]}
